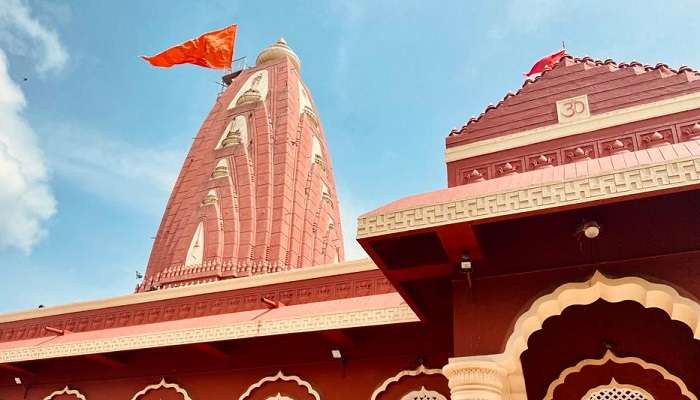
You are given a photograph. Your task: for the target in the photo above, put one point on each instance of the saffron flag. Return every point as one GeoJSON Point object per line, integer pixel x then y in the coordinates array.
{"type": "Point", "coordinates": [546, 63]}
{"type": "Point", "coordinates": [211, 50]}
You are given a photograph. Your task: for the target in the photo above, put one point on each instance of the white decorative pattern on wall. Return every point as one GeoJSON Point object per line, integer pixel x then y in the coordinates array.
{"type": "Point", "coordinates": [162, 385]}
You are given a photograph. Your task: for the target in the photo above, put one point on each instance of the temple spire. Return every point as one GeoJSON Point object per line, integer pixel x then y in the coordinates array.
{"type": "Point", "coordinates": [257, 193]}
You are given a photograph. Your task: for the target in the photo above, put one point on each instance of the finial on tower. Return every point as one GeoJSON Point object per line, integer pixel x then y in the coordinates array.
{"type": "Point", "coordinates": [276, 51]}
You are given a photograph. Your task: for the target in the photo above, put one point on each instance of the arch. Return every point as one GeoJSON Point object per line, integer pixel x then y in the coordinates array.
{"type": "Point", "coordinates": [304, 99]}
{"type": "Point", "coordinates": [256, 82]}
{"type": "Point", "coordinates": [162, 385]}
{"type": "Point", "coordinates": [420, 370]}
{"type": "Point", "coordinates": [236, 132]}
{"type": "Point", "coordinates": [280, 377]}
{"type": "Point", "coordinates": [613, 290]}
{"type": "Point", "coordinates": [648, 294]}
{"type": "Point", "coordinates": [317, 152]}
{"type": "Point", "coordinates": [195, 253]}
{"type": "Point", "coordinates": [610, 356]}
{"type": "Point", "coordinates": [66, 391]}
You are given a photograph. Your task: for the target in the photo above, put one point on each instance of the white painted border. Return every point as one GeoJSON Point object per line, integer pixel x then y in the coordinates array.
{"type": "Point", "coordinates": [421, 370]}
{"type": "Point", "coordinates": [160, 385]}
{"type": "Point", "coordinates": [67, 391]}
{"type": "Point", "coordinates": [609, 356]}
{"type": "Point", "coordinates": [281, 377]}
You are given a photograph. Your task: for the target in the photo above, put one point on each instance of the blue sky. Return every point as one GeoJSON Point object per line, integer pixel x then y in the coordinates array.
{"type": "Point", "coordinates": [91, 137]}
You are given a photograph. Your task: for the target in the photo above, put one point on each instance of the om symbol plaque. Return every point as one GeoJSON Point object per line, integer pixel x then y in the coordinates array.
{"type": "Point", "coordinates": [573, 108]}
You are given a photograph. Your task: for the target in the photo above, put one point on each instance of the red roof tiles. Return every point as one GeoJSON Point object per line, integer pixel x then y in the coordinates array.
{"type": "Point", "coordinates": [609, 86]}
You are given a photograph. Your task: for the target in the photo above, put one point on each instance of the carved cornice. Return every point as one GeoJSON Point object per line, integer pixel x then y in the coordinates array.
{"type": "Point", "coordinates": [626, 182]}
{"type": "Point", "coordinates": [609, 356]}
{"type": "Point", "coordinates": [281, 377]}
{"type": "Point", "coordinates": [420, 370]}
{"type": "Point", "coordinates": [380, 316]}
{"type": "Point", "coordinates": [321, 271]}
{"type": "Point", "coordinates": [66, 391]}
{"type": "Point", "coordinates": [160, 385]}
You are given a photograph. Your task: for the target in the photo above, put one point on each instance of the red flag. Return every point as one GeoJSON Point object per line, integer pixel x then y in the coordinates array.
{"type": "Point", "coordinates": [211, 50]}
{"type": "Point", "coordinates": [546, 63]}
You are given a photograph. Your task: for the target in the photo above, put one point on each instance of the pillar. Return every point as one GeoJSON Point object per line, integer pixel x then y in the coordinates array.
{"type": "Point", "coordinates": [471, 379]}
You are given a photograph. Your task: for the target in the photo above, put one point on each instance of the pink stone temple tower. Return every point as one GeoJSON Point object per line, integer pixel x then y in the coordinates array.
{"type": "Point", "coordinates": [256, 193]}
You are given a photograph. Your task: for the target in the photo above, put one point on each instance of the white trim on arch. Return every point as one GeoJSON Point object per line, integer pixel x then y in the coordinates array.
{"type": "Point", "coordinates": [609, 356]}
{"type": "Point", "coordinates": [648, 294]}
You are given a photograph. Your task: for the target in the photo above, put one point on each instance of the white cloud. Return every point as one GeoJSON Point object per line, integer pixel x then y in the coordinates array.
{"type": "Point", "coordinates": [26, 201]}
{"type": "Point", "coordinates": [21, 33]}
{"type": "Point", "coordinates": [137, 177]}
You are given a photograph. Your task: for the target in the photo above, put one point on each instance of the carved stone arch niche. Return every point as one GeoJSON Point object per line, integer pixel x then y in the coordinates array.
{"type": "Point", "coordinates": [66, 394]}
{"type": "Point", "coordinates": [633, 297]}
{"type": "Point", "coordinates": [588, 380]}
{"type": "Point", "coordinates": [418, 384]}
{"type": "Point", "coordinates": [162, 391]}
{"type": "Point", "coordinates": [281, 387]}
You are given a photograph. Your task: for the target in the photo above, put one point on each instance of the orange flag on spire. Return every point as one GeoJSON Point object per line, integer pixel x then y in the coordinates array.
{"type": "Point", "coordinates": [211, 50]}
{"type": "Point", "coordinates": [546, 63]}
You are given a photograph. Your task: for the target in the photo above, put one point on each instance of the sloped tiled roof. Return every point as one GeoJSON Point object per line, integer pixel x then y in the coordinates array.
{"type": "Point", "coordinates": [604, 178]}
{"type": "Point", "coordinates": [609, 86]}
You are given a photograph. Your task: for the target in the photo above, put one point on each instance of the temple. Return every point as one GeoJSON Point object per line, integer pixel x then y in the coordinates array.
{"type": "Point", "coordinates": [558, 263]}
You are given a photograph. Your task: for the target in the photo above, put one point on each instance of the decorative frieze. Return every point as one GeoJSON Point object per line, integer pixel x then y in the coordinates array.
{"type": "Point", "coordinates": [187, 307]}
{"type": "Point", "coordinates": [645, 178]}
{"type": "Point", "coordinates": [471, 171]}
{"type": "Point", "coordinates": [239, 330]}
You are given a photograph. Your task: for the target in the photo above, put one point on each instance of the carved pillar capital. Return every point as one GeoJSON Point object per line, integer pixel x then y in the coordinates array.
{"type": "Point", "coordinates": [475, 379]}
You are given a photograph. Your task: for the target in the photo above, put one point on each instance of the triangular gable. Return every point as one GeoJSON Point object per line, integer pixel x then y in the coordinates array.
{"type": "Point", "coordinates": [608, 85]}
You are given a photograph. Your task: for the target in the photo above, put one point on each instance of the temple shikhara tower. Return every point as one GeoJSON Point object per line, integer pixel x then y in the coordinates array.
{"type": "Point", "coordinates": [256, 193]}
{"type": "Point", "coordinates": [561, 261]}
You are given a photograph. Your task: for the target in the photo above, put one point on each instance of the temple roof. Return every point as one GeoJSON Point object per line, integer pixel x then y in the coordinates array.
{"type": "Point", "coordinates": [608, 85]}
{"type": "Point", "coordinates": [630, 173]}
{"type": "Point", "coordinates": [353, 312]}
{"type": "Point", "coordinates": [338, 296]}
